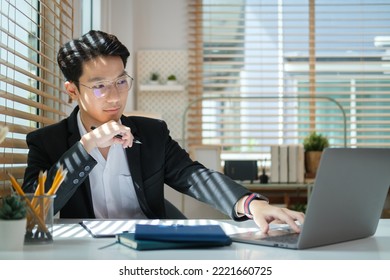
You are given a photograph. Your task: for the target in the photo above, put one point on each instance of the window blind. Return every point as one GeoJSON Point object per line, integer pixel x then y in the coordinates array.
{"type": "Point", "coordinates": [261, 70]}
{"type": "Point", "coordinates": [31, 94]}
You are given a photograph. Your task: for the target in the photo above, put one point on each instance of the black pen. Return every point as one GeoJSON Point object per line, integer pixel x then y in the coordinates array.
{"type": "Point", "coordinates": [120, 137]}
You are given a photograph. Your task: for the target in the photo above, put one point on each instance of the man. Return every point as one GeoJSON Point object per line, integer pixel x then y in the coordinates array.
{"type": "Point", "coordinates": [117, 166]}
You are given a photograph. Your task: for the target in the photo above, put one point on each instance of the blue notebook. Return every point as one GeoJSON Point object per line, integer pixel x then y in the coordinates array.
{"type": "Point", "coordinates": [182, 233]}
{"type": "Point", "coordinates": [128, 239]}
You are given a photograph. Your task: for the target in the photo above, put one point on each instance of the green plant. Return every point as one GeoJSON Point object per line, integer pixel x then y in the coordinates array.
{"type": "Point", "coordinates": [171, 78]}
{"type": "Point", "coordinates": [315, 142]}
{"type": "Point", "coordinates": [154, 76]}
{"type": "Point", "coordinates": [12, 207]}
{"type": "Point", "coordinates": [300, 207]}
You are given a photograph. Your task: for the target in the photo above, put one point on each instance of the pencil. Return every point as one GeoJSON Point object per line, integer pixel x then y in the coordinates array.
{"type": "Point", "coordinates": [16, 185]}
{"type": "Point", "coordinates": [58, 179]}
{"type": "Point", "coordinates": [41, 193]}
{"type": "Point", "coordinates": [39, 189]}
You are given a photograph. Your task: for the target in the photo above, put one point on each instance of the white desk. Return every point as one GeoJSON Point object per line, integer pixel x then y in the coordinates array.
{"type": "Point", "coordinates": [80, 246]}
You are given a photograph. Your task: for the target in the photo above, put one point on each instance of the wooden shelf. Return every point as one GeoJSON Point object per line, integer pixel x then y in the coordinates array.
{"type": "Point", "coordinates": [287, 194]}
{"type": "Point", "coordinates": [177, 87]}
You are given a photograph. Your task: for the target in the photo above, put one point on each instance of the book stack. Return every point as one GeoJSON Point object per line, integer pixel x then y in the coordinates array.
{"type": "Point", "coordinates": [158, 237]}
{"type": "Point", "coordinates": [287, 164]}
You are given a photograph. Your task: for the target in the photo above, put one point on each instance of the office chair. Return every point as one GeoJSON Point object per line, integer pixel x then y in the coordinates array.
{"type": "Point", "coordinates": [172, 212]}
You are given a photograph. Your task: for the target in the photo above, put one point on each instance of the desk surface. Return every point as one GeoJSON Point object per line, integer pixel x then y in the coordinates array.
{"type": "Point", "coordinates": [72, 242]}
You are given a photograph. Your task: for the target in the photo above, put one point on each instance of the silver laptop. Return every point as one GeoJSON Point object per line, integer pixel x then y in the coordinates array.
{"type": "Point", "coordinates": [346, 202]}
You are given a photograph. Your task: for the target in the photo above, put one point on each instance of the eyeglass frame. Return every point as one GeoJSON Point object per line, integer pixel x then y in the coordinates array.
{"type": "Point", "coordinates": [107, 84]}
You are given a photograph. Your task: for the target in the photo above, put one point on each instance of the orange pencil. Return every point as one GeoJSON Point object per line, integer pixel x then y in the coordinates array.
{"type": "Point", "coordinates": [41, 192]}
{"type": "Point", "coordinates": [39, 189]}
{"type": "Point", "coordinates": [16, 185]}
{"type": "Point", "coordinates": [58, 179]}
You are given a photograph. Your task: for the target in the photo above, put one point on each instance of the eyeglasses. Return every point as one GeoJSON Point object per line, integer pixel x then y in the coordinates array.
{"type": "Point", "coordinates": [101, 89]}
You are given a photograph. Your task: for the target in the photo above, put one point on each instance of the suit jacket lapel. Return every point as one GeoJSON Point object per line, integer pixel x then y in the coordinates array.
{"type": "Point", "coordinates": [73, 130]}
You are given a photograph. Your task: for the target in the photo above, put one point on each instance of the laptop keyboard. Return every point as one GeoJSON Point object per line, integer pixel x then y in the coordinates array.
{"type": "Point", "coordinates": [285, 238]}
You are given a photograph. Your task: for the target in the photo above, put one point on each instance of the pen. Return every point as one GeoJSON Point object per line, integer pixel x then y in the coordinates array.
{"type": "Point", "coordinates": [120, 137]}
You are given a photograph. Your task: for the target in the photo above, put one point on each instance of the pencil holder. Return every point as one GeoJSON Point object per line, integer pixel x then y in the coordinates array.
{"type": "Point", "coordinates": [39, 228]}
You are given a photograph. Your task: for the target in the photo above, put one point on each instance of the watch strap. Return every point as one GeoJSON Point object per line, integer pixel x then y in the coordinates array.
{"type": "Point", "coordinates": [249, 199]}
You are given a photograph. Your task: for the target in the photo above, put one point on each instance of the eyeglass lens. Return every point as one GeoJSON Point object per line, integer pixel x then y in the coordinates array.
{"type": "Point", "coordinates": [122, 84]}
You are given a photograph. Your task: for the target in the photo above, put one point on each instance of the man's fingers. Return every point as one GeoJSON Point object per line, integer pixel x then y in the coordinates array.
{"type": "Point", "coordinates": [278, 215]}
{"type": "Point", "coordinates": [262, 224]}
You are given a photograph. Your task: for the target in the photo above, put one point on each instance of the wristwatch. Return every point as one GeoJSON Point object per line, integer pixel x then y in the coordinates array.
{"type": "Point", "coordinates": [249, 199]}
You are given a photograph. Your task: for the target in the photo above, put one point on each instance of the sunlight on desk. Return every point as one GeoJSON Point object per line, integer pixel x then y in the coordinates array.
{"type": "Point", "coordinates": [112, 227]}
{"type": "Point", "coordinates": [69, 231]}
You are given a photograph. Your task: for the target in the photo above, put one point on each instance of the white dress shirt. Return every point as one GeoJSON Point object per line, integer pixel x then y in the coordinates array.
{"type": "Point", "coordinates": [113, 194]}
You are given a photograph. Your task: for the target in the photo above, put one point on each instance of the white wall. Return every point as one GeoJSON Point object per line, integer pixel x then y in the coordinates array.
{"type": "Point", "coordinates": [145, 25]}
{"type": "Point", "coordinates": [160, 24]}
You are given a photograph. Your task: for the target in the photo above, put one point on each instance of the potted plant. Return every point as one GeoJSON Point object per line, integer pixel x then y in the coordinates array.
{"type": "Point", "coordinates": [12, 222]}
{"type": "Point", "coordinates": [12, 215]}
{"type": "Point", "coordinates": [171, 80]}
{"type": "Point", "coordinates": [313, 145]}
{"type": "Point", "coordinates": [154, 76]}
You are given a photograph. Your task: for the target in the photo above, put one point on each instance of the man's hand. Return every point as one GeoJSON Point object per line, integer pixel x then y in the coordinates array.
{"type": "Point", "coordinates": [264, 214]}
{"type": "Point", "coordinates": [106, 135]}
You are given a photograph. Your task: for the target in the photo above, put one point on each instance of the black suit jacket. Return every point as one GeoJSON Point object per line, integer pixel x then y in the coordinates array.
{"type": "Point", "coordinates": [157, 161]}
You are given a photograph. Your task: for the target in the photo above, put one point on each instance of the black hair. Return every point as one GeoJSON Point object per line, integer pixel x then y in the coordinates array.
{"type": "Point", "coordinates": [93, 44]}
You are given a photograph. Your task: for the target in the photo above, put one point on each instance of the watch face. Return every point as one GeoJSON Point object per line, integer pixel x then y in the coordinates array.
{"type": "Point", "coordinates": [262, 197]}
{"type": "Point", "coordinates": [258, 196]}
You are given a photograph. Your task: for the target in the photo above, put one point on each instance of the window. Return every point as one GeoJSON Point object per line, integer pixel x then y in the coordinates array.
{"type": "Point", "coordinates": [31, 94]}
{"type": "Point", "coordinates": [266, 72]}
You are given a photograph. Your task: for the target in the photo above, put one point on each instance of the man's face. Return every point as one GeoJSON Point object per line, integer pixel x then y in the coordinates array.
{"type": "Point", "coordinates": [101, 70]}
